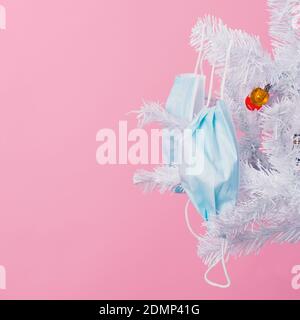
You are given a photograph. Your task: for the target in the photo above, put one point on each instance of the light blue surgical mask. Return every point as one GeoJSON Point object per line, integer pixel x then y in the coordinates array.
{"type": "Point", "coordinates": [185, 100]}
{"type": "Point", "coordinates": [213, 187]}
{"type": "Point", "coordinates": [187, 96]}
{"type": "Point", "coordinates": [212, 181]}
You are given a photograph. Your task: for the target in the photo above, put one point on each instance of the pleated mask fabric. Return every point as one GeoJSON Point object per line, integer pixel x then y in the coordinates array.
{"type": "Point", "coordinates": [212, 181]}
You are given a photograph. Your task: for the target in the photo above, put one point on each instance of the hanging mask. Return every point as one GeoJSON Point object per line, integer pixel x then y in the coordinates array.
{"type": "Point", "coordinates": [209, 171]}
{"type": "Point", "coordinates": [185, 100]}
{"type": "Point", "coordinates": [212, 182]}
{"type": "Point", "coordinates": [211, 178]}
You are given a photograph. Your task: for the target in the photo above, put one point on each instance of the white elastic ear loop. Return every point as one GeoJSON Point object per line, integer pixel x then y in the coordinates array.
{"type": "Point", "coordinates": [248, 67]}
{"type": "Point", "coordinates": [200, 57]}
{"type": "Point", "coordinates": [225, 69]}
{"type": "Point", "coordinates": [187, 220]}
{"type": "Point", "coordinates": [211, 84]}
{"type": "Point", "coordinates": [214, 284]}
{"type": "Point", "coordinates": [199, 63]}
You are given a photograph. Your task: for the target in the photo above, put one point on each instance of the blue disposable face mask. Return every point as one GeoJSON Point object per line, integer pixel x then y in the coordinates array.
{"type": "Point", "coordinates": [210, 174]}
{"type": "Point", "coordinates": [213, 187]}
{"type": "Point", "coordinates": [185, 100]}
{"type": "Point", "coordinates": [187, 96]}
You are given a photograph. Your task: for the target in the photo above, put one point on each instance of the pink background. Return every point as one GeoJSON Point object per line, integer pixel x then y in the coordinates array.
{"type": "Point", "coordinates": [70, 228]}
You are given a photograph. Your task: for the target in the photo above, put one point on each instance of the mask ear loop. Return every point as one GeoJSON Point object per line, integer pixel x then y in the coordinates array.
{"type": "Point", "coordinates": [200, 57]}
{"type": "Point", "coordinates": [227, 59]}
{"type": "Point", "coordinates": [248, 68]}
{"type": "Point", "coordinates": [211, 84]}
{"type": "Point", "coordinates": [228, 281]}
{"type": "Point", "coordinates": [187, 220]}
{"type": "Point", "coordinates": [223, 246]}
{"type": "Point", "coordinates": [199, 64]}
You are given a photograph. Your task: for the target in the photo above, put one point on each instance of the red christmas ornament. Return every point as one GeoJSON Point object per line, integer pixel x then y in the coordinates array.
{"type": "Point", "coordinates": [250, 105]}
{"type": "Point", "coordinates": [258, 98]}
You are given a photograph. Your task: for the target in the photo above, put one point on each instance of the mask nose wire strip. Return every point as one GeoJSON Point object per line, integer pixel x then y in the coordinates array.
{"type": "Point", "coordinates": [214, 284]}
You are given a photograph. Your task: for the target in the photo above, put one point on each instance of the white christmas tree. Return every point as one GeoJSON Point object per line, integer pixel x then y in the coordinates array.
{"type": "Point", "coordinates": [268, 208]}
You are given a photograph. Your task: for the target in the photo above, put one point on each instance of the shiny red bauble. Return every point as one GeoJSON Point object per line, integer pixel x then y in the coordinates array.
{"type": "Point", "coordinates": [250, 105]}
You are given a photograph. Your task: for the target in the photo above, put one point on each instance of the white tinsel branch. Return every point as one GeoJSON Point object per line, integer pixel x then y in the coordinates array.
{"type": "Point", "coordinates": [268, 209]}
{"type": "Point", "coordinates": [248, 241]}
{"type": "Point", "coordinates": [153, 112]}
{"type": "Point", "coordinates": [165, 178]}
{"type": "Point", "coordinates": [284, 29]}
